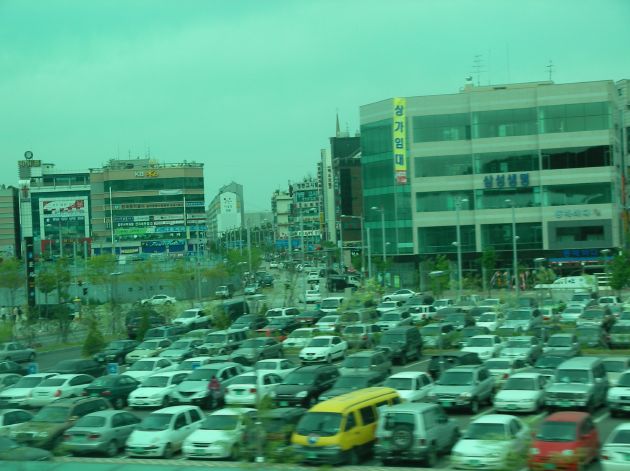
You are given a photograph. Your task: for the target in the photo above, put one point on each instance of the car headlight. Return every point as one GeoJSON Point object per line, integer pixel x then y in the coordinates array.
{"type": "Point", "coordinates": [272, 394]}
{"type": "Point", "coordinates": [302, 394]}
{"type": "Point", "coordinates": [41, 434]}
{"type": "Point", "coordinates": [534, 451]}
{"type": "Point", "coordinates": [465, 395]}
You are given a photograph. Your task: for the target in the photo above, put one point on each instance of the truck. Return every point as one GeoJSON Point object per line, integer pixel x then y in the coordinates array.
{"type": "Point", "coordinates": [341, 282]}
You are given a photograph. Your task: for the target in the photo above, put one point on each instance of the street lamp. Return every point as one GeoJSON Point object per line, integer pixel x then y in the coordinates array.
{"type": "Point", "coordinates": [458, 244]}
{"type": "Point", "coordinates": [514, 253]}
{"type": "Point", "coordinates": [360, 218]}
{"type": "Point", "coordinates": [606, 253]}
{"type": "Point", "coordinates": [382, 211]}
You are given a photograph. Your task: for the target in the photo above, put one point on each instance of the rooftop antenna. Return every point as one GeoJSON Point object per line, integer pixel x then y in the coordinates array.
{"type": "Point", "coordinates": [550, 69]}
{"type": "Point", "coordinates": [478, 67]}
{"type": "Point", "coordinates": [337, 129]}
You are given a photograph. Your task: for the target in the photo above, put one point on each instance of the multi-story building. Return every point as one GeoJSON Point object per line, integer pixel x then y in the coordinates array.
{"type": "Point", "coordinates": [10, 244]}
{"type": "Point", "coordinates": [281, 207]}
{"type": "Point", "coordinates": [306, 213]}
{"type": "Point", "coordinates": [141, 206]}
{"type": "Point", "coordinates": [226, 211]}
{"type": "Point", "coordinates": [547, 157]}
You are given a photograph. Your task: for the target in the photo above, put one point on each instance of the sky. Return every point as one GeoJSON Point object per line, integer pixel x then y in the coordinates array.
{"type": "Point", "coordinates": [251, 88]}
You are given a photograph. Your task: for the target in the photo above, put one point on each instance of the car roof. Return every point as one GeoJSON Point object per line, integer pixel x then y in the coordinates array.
{"type": "Point", "coordinates": [407, 374]}
{"type": "Point", "coordinates": [168, 373]}
{"type": "Point", "coordinates": [233, 411]}
{"type": "Point", "coordinates": [173, 409]}
{"type": "Point", "coordinates": [364, 353]}
{"type": "Point", "coordinates": [214, 366]}
{"type": "Point", "coordinates": [566, 416]}
{"type": "Point", "coordinates": [70, 375]}
{"type": "Point", "coordinates": [494, 418]}
{"type": "Point", "coordinates": [411, 407]}
{"type": "Point", "coordinates": [531, 375]}
{"type": "Point", "coordinates": [308, 368]}
{"type": "Point", "coordinates": [106, 413]}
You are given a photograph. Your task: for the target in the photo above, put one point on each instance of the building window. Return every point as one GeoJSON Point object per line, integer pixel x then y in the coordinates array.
{"type": "Point", "coordinates": [499, 236]}
{"type": "Point", "coordinates": [442, 201]}
{"type": "Point", "coordinates": [440, 239]}
{"type": "Point", "coordinates": [581, 193]}
{"type": "Point", "coordinates": [504, 123]}
{"type": "Point", "coordinates": [579, 234]}
{"type": "Point", "coordinates": [504, 162]}
{"type": "Point", "coordinates": [378, 174]}
{"type": "Point", "coordinates": [443, 166]}
{"type": "Point", "coordinates": [495, 199]}
{"type": "Point", "coordinates": [576, 157]}
{"type": "Point", "coordinates": [444, 127]}
{"type": "Point", "coordinates": [574, 118]}
{"type": "Point", "coordinates": [376, 138]}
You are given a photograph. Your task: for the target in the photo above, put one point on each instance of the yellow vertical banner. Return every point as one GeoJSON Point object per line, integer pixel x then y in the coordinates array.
{"type": "Point", "coordinates": [399, 136]}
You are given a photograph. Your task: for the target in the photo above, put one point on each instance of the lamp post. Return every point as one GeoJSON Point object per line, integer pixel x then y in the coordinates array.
{"type": "Point", "coordinates": [605, 253]}
{"type": "Point", "coordinates": [458, 243]}
{"type": "Point", "coordinates": [360, 218]}
{"type": "Point", "coordinates": [382, 211]}
{"type": "Point", "coordinates": [538, 263]}
{"type": "Point", "coordinates": [341, 244]}
{"type": "Point", "coordinates": [514, 253]}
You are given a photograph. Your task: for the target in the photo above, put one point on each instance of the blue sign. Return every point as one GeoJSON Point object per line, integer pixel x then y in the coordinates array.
{"type": "Point", "coordinates": [195, 365]}
{"type": "Point", "coordinates": [501, 181]}
{"type": "Point", "coordinates": [32, 368]}
{"type": "Point", "coordinates": [112, 368]}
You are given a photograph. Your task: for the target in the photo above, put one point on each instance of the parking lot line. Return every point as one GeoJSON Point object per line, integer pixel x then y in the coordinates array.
{"type": "Point", "coordinates": [605, 415]}
{"type": "Point", "coordinates": [416, 363]}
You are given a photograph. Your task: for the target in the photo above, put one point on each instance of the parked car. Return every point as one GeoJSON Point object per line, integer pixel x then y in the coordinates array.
{"type": "Point", "coordinates": [486, 346]}
{"type": "Point", "coordinates": [304, 385]}
{"type": "Point", "coordinates": [116, 351]}
{"type": "Point", "coordinates": [600, 316]}
{"type": "Point", "coordinates": [299, 338]}
{"type": "Point", "coordinates": [78, 366]}
{"type": "Point", "coordinates": [488, 442]}
{"type": "Point", "coordinates": [399, 295]}
{"type": "Point", "coordinates": [308, 318]}
{"type": "Point", "coordinates": [280, 366]}
{"type": "Point", "coordinates": [616, 449]}
{"type": "Point", "coordinates": [402, 343]}
{"type": "Point", "coordinates": [615, 367]}
{"type": "Point", "coordinates": [162, 433]}
{"type": "Point", "coordinates": [8, 380]}
{"type": "Point", "coordinates": [618, 396]}
{"type": "Point", "coordinates": [442, 362]}
{"type": "Point", "coordinates": [46, 428]}
{"type": "Point", "coordinates": [571, 313]}
{"type": "Point", "coordinates": [11, 367]}
{"type": "Point", "coordinates": [386, 306]}
{"type": "Point", "coordinates": [331, 304]}
{"type": "Point", "coordinates": [414, 431]}
{"type": "Point", "coordinates": [324, 348]}
{"type": "Point", "coordinates": [394, 318]}
{"type": "Point", "coordinates": [19, 394]}
{"type": "Point", "coordinates": [194, 388]}
{"type": "Point", "coordinates": [619, 336]}
{"type": "Point", "coordinates": [361, 335]}
{"type": "Point", "coordinates": [252, 350]}
{"type": "Point", "coordinates": [249, 322]}
{"type": "Point", "coordinates": [149, 366]}
{"type": "Point", "coordinates": [148, 348]}
{"type": "Point", "coordinates": [527, 348]}
{"type": "Point", "coordinates": [222, 435]}
{"type": "Point", "coordinates": [277, 425]}
{"type": "Point", "coordinates": [114, 388]}
{"type": "Point", "coordinates": [11, 418]}
{"type": "Point", "coordinates": [579, 382]}
{"type": "Point", "coordinates": [312, 296]}
{"type": "Point", "coordinates": [563, 344]}
{"type": "Point", "coordinates": [522, 392]}
{"type": "Point", "coordinates": [57, 387]}
{"type": "Point", "coordinates": [251, 388]}
{"type": "Point", "coordinates": [224, 291]}
{"type": "Point", "coordinates": [16, 351]}
{"type": "Point", "coordinates": [465, 334]}
{"type": "Point", "coordinates": [165, 332]}
{"type": "Point", "coordinates": [564, 439]}
{"type": "Point", "coordinates": [194, 318]}
{"type": "Point", "coordinates": [156, 390]}
{"type": "Point", "coordinates": [367, 361]}
{"type": "Point", "coordinates": [153, 320]}
{"type": "Point", "coordinates": [463, 387]}
{"type": "Point", "coordinates": [592, 336]}
{"type": "Point", "coordinates": [181, 349]}
{"type": "Point", "coordinates": [103, 432]}
{"type": "Point", "coordinates": [252, 288]}
{"type": "Point", "coordinates": [459, 320]}
{"type": "Point", "coordinates": [412, 386]}
{"type": "Point", "coordinates": [280, 327]}
{"type": "Point", "coordinates": [10, 450]}
{"type": "Point", "coordinates": [502, 368]}
{"type": "Point", "coordinates": [438, 335]}
{"type": "Point", "coordinates": [329, 324]}
{"type": "Point", "coordinates": [158, 300]}
{"type": "Point", "coordinates": [547, 364]}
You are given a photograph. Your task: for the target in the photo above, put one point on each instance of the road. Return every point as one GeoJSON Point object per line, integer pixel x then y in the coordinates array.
{"type": "Point", "coordinates": [277, 297]}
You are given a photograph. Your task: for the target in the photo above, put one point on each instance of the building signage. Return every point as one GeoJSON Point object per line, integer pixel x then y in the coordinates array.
{"type": "Point", "coordinates": [307, 233]}
{"type": "Point", "coordinates": [148, 174]}
{"type": "Point", "coordinates": [506, 180]}
{"type": "Point", "coordinates": [399, 144]}
{"type": "Point", "coordinates": [29, 163]}
{"type": "Point", "coordinates": [580, 253]}
{"type": "Point", "coordinates": [577, 213]}
{"type": "Point", "coordinates": [64, 207]}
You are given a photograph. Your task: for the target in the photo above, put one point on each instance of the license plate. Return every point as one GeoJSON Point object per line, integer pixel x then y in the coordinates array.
{"type": "Point", "coordinates": [94, 394]}
{"type": "Point", "coordinates": [284, 404]}
{"type": "Point", "coordinates": [628, 457]}
{"type": "Point", "coordinates": [311, 455]}
{"type": "Point", "coordinates": [447, 403]}
{"type": "Point", "coordinates": [510, 406]}
{"type": "Point", "coordinates": [564, 404]}
{"type": "Point", "coordinates": [474, 462]}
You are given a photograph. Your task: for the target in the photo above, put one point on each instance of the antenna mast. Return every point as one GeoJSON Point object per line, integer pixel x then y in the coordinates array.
{"type": "Point", "coordinates": [550, 69]}
{"type": "Point", "coordinates": [478, 67]}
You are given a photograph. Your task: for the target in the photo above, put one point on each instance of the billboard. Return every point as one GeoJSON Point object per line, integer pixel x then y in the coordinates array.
{"type": "Point", "coordinates": [399, 137]}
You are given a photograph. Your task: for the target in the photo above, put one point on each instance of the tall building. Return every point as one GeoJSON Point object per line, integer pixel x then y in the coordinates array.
{"type": "Point", "coordinates": [327, 196]}
{"type": "Point", "coordinates": [306, 215]}
{"type": "Point", "coordinates": [10, 244]}
{"type": "Point", "coordinates": [546, 157]}
{"type": "Point", "coordinates": [226, 211]}
{"type": "Point", "coordinates": [281, 207]}
{"type": "Point", "coordinates": [142, 206]}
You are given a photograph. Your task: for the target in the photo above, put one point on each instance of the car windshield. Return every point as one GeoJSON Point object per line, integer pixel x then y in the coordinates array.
{"type": "Point", "coordinates": [27, 383]}
{"type": "Point", "coordinates": [430, 330]}
{"type": "Point", "coordinates": [520, 384]}
{"type": "Point", "coordinates": [155, 382]}
{"type": "Point", "coordinates": [298, 378]}
{"type": "Point", "coordinates": [324, 424]}
{"type": "Point", "coordinates": [560, 341]}
{"type": "Point", "coordinates": [480, 342]}
{"type": "Point", "coordinates": [149, 345]}
{"type": "Point", "coordinates": [519, 316]}
{"type": "Point", "coordinates": [254, 343]}
{"type": "Point", "coordinates": [614, 366]}
{"type": "Point", "coordinates": [331, 319]}
{"type": "Point", "coordinates": [456, 378]}
{"type": "Point", "coordinates": [572, 376]}
{"type": "Point", "coordinates": [394, 419]}
{"type": "Point", "coordinates": [624, 380]}
{"type": "Point", "coordinates": [330, 304]}
{"type": "Point", "coordinates": [388, 304]}
{"type": "Point", "coordinates": [518, 344]}
{"type": "Point", "coordinates": [498, 364]}
{"type": "Point", "coordinates": [356, 362]}
{"type": "Point", "coordinates": [89, 421]}
{"type": "Point", "coordinates": [549, 362]}
{"type": "Point", "coordinates": [354, 329]}
{"type": "Point", "coordinates": [51, 382]}
{"type": "Point", "coordinates": [201, 374]}
{"type": "Point", "coordinates": [485, 431]}
{"type": "Point", "coordinates": [245, 379]}
{"type": "Point", "coordinates": [266, 365]}
{"type": "Point", "coordinates": [552, 431]}
{"type": "Point", "coordinates": [404, 384]}
{"type": "Point", "coordinates": [155, 422]}
{"type": "Point", "coordinates": [391, 316]}
{"type": "Point", "coordinates": [52, 414]}
{"type": "Point", "coordinates": [66, 365]}
{"type": "Point", "coordinates": [104, 381]}
{"type": "Point", "coordinates": [220, 422]}
{"type": "Point", "coordinates": [300, 334]}
{"type": "Point", "coordinates": [621, 437]}
{"type": "Point", "coordinates": [117, 344]}
{"type": "Point", "coordinates": [142, 366]}
{"type": "Point", "coordinates": [180, 345]}
{"type": "Point", "coordinates": [319, 342]}
{"type": "Point", "coordinates": [352, 382]}
{"type": "Point", "coordinates": [216, 338]}
{"type": "Point", "coordinates": [392, 338]}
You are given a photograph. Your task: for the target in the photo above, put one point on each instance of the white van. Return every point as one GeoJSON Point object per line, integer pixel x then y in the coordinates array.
{"type": "Point", "coordinates": [330, 305]}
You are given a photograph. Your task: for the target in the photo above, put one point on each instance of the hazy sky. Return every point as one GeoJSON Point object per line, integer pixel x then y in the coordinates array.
{"type": "Point", "coordinates": [251, 87]}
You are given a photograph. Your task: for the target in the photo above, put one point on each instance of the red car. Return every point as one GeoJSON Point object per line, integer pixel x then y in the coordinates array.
{"type": "Point", "coordinates": [564, 441]}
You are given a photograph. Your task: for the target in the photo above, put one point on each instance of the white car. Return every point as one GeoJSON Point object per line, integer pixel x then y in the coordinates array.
{"type": "Point", "coordinates": [522, 392]}
{"type": "Point", "coordinates": [571, 313]}
{"type": "Point", "coordinates": [400, 295]}
{"type": "Point", "coordinates": [501, 368]}
{"type": "Point", "coordinates": [10, 418]}
{"type": "Point", "coordinates": [312, 277]}
{"type": "Point", "coordinates": [180, 349]}
{"type": "Point", "coordinates": [148, 367]}
{"type": "Point", "coordinates": [163, 432]}
{"type": "Point", "coordinates": [392, 319]}
{"type": "Point", "coordinates": [386, 306]}
{"type": "Point", "coordinates": [19, 394]}
{"type": "Point", "coordinates": [8, 380]}
{"type": "Point", "coordinates": [148, 348]}
{"type": "Point", "coordinates": [299, 338]}
{"type": "Point", "coordinates": [325, 348]}
{"type": "Point", "coordinates": [280, 366]}
{"type": "Point", "coordinates": [312, 296]}
{"type": "Point", "coordinates": [442, 303]}
{"type": "Point", "coordinates": [486, 346]}
{"type": "Point", "coordinates": [273, 265]}
{"type": "Point", "coordinates": [156, 390]}
{"type": "Point", "coordinates": [158, 300]}
{"type": "Point", "coordinates": [51, 389]}
{"type": "Point", "coordinates": [194, 318]}
{"type": "Point", "coordinates": [616, 450]}
{"type": "Point", "coordinates": [329, 324]}
{"type": "Point", "coordinates": [615, 367]}
{"type": "Point", "coordinates": [220, 435]}
{"type": "Point", "coordinates": [251, 388]}
{"type": "Point", "coordinates": [488, 442]}
{"type": "Point", "coordinates": [331, 304]}
{"type": "Point", "coordinates": [193, 363]}
{"type": "Point", "coordinates": [490, 320]}
{"type": "Point", "coordinates": [412, 386]}
{"type": "Point", "coordinates": [618, 396]}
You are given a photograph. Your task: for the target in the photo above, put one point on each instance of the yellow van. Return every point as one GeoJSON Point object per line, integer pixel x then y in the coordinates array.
{"type": "Point", "coordinates": [341, 429]}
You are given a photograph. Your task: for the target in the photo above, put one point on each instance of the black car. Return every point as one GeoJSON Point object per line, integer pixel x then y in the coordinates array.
{"type": "Point", "coordinates": [134, 319]}
{"type": "Point", "coordinates": [12, 451]}
{"type": "Point", "coordinates": [309, 318]}
{"type": "Point", "coordinates": [114, 388]}
{"type": "Point", "coordinates": [592, 336]}
{"type": "Point", "coordinates": [304, 385]}
{"type": "Point", "coordinates": [249, 322]}
{"type": "Point", "coordinates": [78, 366]}
{"type": "Point", "coordinates": [266, 280]}
{"type": "Point", "coordinates": [8, 366]}
{"type": "Point", "coordinates": [351, 382]}
{"type": "Point", "coordinates": [440, 363]}
{"type": "Point", "coordinates": [467, 332]}
{"type": "Point", "coordinates": [116, 351]}
{"type": "Point", "coordinates": [280, 326]}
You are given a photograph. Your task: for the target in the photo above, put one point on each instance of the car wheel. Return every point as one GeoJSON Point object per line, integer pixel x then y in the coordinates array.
{"type": "Point", "coordinates": [165, 401]}
{"type": "Point", "coordinates": [168, 452]}
{"type": "Point", "coordinates": [329, 359]}
{"type": "Point", "coordinates": [112, 449]}
{"type": "Point", "coordinates": [353, 458]}
{"type": "Point", "coordinates": [402, 437]}
{"type": "Point", "coordinates": [474, 406]}
{"type": "Point", "coordinates": [431, 459]}
{"type": "Point", "coordinates": [118, 403]}
{"type": "Point", "coordinates": [235, 455]}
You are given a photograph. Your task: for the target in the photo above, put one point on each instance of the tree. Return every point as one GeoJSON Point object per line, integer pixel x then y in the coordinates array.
{"type": "Point", "coordinates": [619, 271]}
{"type": "Point", "coordinates": [12, 277]}
{"type": "Point", "coordinates": [100, 269]}
{"type": "Point", "coordinates": [46, 282]}
{"type": "Point", "coordinates": [488, 265]}
{"type": "Point", "coordinates": [94, 341]}
{"type": "Point", "coordinates": [439, 274]}
{"type": "Point", "coordinates": [145, 273]}
{"type": "Point", "coordinates": [144, 325]}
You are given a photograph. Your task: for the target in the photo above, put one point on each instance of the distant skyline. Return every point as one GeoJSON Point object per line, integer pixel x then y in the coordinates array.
{"type": "Point", "coordinates": [251, 88]}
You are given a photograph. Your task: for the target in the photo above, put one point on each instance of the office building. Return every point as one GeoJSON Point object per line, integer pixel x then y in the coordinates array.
{"type": "Point", "coordinates": [10, 244]}
{"type": "Point", "coordinates": [226, 211]}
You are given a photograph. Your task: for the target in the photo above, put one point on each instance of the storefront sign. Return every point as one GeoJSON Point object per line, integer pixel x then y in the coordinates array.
{"type": "Point", "coordinates": [399, 136]}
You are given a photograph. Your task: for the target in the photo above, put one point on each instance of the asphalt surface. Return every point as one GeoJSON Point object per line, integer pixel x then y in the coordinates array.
{"type": "Point", "coordinates": [279, 296]}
